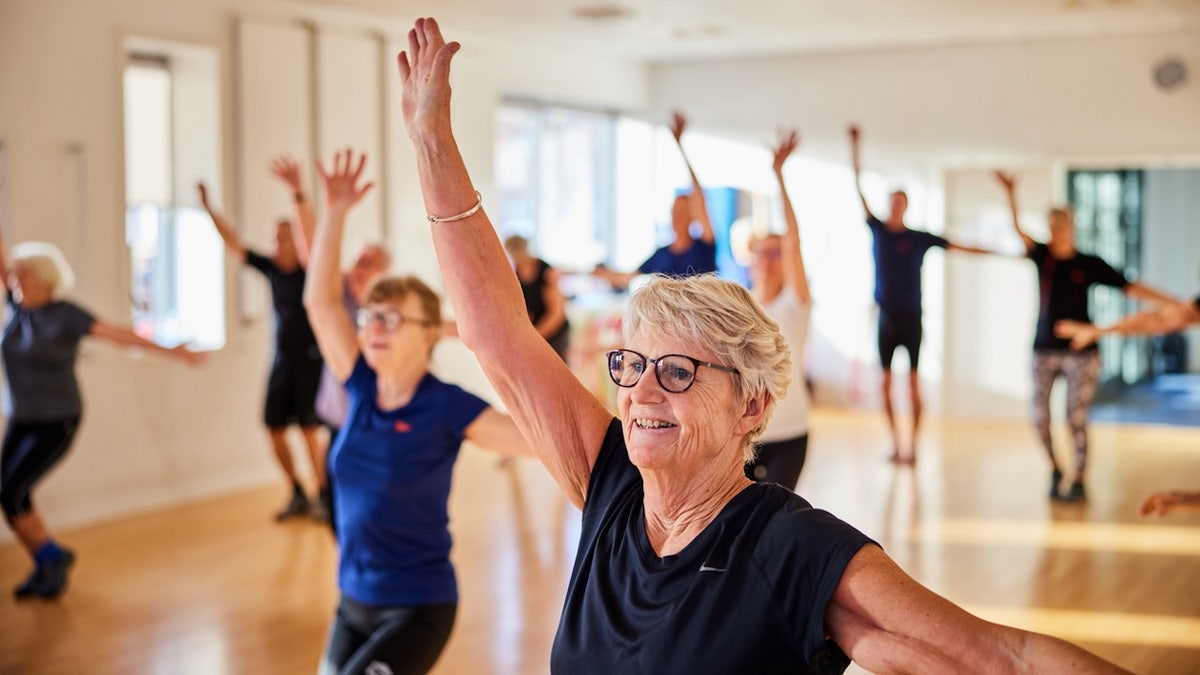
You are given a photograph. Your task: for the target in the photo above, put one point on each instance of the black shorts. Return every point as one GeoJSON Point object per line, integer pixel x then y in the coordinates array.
{"type": "Point", "coordinates": [899, 330]}
{"type": "Point", "coordinates": [292, 390]}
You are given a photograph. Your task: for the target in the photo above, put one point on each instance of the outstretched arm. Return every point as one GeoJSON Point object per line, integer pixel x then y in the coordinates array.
{"type": "Point", "coordinates": [1008, 181]}
{"type": "Point", "coordinates": [562, 421]}
{"type": "Point", "coordinates": [495, 431]}
{"type": "Point", "coordinates": [793, 261]}
{"type": "Point", "coordinates": [856, 162]}
{"type": "Point", "coordinates": [1170, 501]}
{"type": "Point", "coordinates": [1164, 318]}
{"type": "Point", "coordinates": [121, 336]}
{"type": "Point", "coordinates": [336, 335]}
{"type": "Point", "coordinates": [887, 622]}
{"type": "Point", "coordinates": [287, 171]}
{"type": "Point", "coordinates": [699, 206]}
{"type": "Point", "coordinates": [618, 280]}
{"type": "Point", "coordinates": [224, 228]}
{"type": "Point", "coordinates": [1147, 293]}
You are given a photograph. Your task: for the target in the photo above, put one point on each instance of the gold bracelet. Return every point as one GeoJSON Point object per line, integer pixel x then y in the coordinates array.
{"type": "Point", "coordinates": [462, 216]}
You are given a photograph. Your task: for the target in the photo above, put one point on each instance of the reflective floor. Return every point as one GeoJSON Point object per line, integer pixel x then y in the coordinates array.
{"type": "Point", "coordinates": [217, 587]}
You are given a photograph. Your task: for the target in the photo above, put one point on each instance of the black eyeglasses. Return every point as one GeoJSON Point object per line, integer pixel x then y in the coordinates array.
{"type": "Point", "coordinates": [390, 319]}
{"type": "Point", "coordinates": [675, 372]}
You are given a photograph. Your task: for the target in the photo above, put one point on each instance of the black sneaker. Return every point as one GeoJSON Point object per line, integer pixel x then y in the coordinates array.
{"type": "Point", "coordinates": [29, 587]}
{"type": "Point", "coordinates": [1055, 481]}
{"type": "Point", "coordinates": [297, 506]}
{"type": "Point", "coordinates": [1076, 493]}
{"type": "Point", "coordinates": [54, 575]}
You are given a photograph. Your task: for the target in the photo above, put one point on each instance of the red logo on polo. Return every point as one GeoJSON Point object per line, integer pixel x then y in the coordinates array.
{"type": "Point", "coordinates": [402, 426]}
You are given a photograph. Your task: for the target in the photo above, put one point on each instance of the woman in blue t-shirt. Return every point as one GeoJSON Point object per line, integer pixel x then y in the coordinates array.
{"type": "Point", "coordinates": [40, 346]}
{"type": "Point", "coordinates": [391, 464]}
{"type": "Point", "coordinates": [684, 565]}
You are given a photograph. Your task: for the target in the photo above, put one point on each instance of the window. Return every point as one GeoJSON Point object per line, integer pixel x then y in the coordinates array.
{"type": "Point", "coordinates": [177, 288]}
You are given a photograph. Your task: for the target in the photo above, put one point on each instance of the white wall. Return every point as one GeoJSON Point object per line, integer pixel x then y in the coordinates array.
{"type": "Point", "coordinates": [156, 432]}
{"type": "Point", "coordinates": [939, 116]}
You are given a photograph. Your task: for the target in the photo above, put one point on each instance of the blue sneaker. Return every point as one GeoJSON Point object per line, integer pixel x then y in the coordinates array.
{"type": "Point", "coordinates": [54, 575]}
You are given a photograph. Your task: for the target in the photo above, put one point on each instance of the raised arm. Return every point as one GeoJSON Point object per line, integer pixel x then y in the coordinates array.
{"type": "Point", "coordinates": [1164, 318]}
{"type": "Point", "coordinates": [334, 330]}
{"type": "Point", "coordinates": [562, 421]}
{"type": "Point", "coordinates": [287, 171]}
{"type": "Point", "coordinates": [224, 228]}
{"type": "Point", "coordinates": [1008, 181]}
{"type": "Point", "coordinates": [856, 163]}
{"type": "Point", "coordinates": [888, 623]}
{"type": "Point", "coordinates": [4, 266]}
{"type": "Point", "coordinates": [699, 206]}
{"type": "Point", "coordinates": [793, 261]}
{"type": "Point", "coordinates": [123, 337]}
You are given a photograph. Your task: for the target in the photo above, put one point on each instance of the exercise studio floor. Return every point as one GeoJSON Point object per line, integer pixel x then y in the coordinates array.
{"type": "Point", "coordinates": [216, 587]}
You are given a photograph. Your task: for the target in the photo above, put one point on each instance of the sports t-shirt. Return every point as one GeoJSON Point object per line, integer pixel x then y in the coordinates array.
{"type": "Point", "coordinates": [700, 258]}
{"type": "Point", "coordinates": [898, 260]}
{"type": "Point", "coordinates": [293, 334]}
{"type": "Point", "coordinates": [1063, 291]}
{"type": "Point", "coordinates": [391, 474]}
{"type": "Point", "coordinates": [790, 419]}
{"type": "Point", "coordinates": [535, 298]}
{"type": "Point", "coordinates": [747, 595]}
{"type": "Point", "coordinates": [40, 348]}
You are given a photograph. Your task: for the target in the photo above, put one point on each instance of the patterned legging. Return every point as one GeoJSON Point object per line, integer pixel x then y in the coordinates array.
{"type": "Point", "coordinates": [1081, 369]}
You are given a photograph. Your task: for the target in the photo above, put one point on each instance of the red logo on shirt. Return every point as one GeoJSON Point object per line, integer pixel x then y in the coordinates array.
{"type": "Point", "coordinates": [1077, 276]}
{"type": "Point", "coordinates": [401, 426]}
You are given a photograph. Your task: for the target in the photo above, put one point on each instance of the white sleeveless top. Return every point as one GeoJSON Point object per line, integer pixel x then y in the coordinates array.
{"type": "Point", "coordinates": [791, 415]}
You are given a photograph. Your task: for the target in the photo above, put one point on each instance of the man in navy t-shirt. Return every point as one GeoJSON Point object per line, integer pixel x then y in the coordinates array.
{"type": "Point", "coordinates": [686, 255]}
{"type": "Point", "coordinates": [899, 253]}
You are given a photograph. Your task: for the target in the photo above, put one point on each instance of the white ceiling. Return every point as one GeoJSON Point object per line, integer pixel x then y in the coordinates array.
{"type": "Point", "coordinates": [678, 30]}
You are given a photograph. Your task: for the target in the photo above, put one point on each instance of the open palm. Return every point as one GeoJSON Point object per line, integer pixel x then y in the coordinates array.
{"type": "Point", "coordinates": [425, 78]}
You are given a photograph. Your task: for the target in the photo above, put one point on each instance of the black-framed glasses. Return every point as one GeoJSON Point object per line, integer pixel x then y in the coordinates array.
{"type": "Point", "coordinates": [675, 372]}
{"type": "Point", "coordinates": [390, 319]}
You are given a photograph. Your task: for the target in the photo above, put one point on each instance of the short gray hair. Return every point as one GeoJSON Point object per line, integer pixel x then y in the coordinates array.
{"type": "Point", "coordinates": [723, 317]}
{"type": "Point", "coordinates": [49, 264]}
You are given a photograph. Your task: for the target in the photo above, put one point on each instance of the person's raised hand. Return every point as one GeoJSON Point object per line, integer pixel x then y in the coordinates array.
{"type": "Point", "coordinates": [1006, 179]}
{"type": "Point", "coordinates": [425, 79]}
{"type": "Point", "coordinates": [789, 140]}
{"type": "Point", "coordinates": [287, 170]}
{"type": "Point", "coordinates": [342, 190]}
{"type": "Point", "coordinates": [678, 125]}
{"type": "Point", "coordinates": [202, 189]}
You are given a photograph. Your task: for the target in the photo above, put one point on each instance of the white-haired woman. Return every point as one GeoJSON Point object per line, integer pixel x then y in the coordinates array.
{"type": "Point", "coordinates": [684, 564]}
{"type": "Point", "coordinates": [40, 346]}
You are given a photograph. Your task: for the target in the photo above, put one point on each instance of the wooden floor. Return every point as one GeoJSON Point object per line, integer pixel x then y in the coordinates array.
{"type": "Point", "coordinates": [216, 587]}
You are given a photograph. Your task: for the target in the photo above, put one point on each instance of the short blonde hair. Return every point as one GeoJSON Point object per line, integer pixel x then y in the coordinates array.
{"type": "Point", "coordinates": [723, 317]}
{"type": "Point", "coordinates": [49, 264]}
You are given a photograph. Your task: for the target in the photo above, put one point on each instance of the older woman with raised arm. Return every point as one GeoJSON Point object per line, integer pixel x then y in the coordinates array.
{"type": "Point", "coordinates": [392, 463]}
{"type": "Point", "coordinates": [684, 565]}
{"type": "Point", "coordinates": [40, 347]}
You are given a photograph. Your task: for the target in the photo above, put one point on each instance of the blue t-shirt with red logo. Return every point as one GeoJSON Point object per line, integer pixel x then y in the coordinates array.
{"type": "Point", "coordinates": [1063, 291]}
{"type": "Point", "coordinates": [898, 259]}
{"type": "Point", "coordinates": [699, 258]}
{"type": "Point", "coordinates": [391, 472]}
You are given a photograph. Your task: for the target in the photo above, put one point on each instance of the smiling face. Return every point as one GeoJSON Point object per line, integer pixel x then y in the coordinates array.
{"type": "Point", "coordinates": [391, 348]}
{"type": "Point", "coordinates": [686, 433]}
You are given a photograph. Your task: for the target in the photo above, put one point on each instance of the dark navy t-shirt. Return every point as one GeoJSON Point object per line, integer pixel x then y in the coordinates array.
{"type": "Point", "coordinates": [898, 259]}
{"type": "Point", "coordinates": [40, 348]}
{"type": "Point", "coordinates": [1064, 286]}
{"type": "Point", "coordinates": [293, 334]}
{"type": "Point", "coordinates": [701, 258]}
{"type": "Point", "coordinates": [391, 474]}
{"type": "Point", "coordinates": [748, 595]}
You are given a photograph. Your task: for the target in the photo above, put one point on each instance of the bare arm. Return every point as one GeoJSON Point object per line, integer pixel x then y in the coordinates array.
{"type": "Point", "coordinates": [699, 206]}
{"type": "Point", "coordinates": [287, 170]}
{"type": "Point", "coordinates": [618, 280]}
{"type": "Point", "coordinates": [1146, 293]}
{"type": "Point", "coordinates": [793, 260]}
{"type": "Point", "coordinates": [4, 266]}
{"type": "Point", "coordinates": [1165, 318]}
{"type": "Point", "coordinates": [967, 249]}
{"type": "Point", "coordinates": [1008, 181]}
{"type": "Point", "coordinates": [493, 430]}
{"type": "Point", "coordinates": [886, 622]}
{"type": "Point", "coordinates": [224, 228]}
{"type": "Point", "coordinates": [1170, 501]}
{"type": "Point", "coordinates": [121, 336]}
{"type": "Point", "coordinates": [562, 421]}
{"type": "Point", "coordinates": [556, 306]}
{"type": "Point", "coordinates": [856, 162]}
{"type": "Point", "coordinates": [336, 335]}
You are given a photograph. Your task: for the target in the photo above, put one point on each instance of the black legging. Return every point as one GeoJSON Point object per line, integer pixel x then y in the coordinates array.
{"type": "Point", "coordinates": [30, 450]}
{"type": "Point", "coordinates": [779, 462]}
{"type": "Point", "coordinates": [407, 640]}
